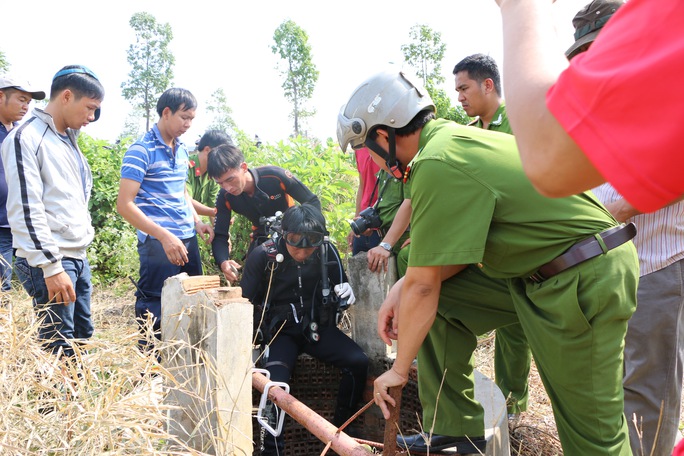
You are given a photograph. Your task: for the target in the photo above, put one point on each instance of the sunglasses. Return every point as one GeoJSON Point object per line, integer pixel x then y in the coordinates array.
{"type": "Point", "coordinates": [304, 239]}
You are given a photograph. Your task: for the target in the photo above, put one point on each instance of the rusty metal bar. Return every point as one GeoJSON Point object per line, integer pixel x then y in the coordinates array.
{"type": "Point", "coordinates": [390, 442]}
{"type": "Point", "coordinates": [340, 442]}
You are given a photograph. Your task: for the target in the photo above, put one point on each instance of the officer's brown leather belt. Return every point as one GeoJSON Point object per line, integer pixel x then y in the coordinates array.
{"type": "Point", "coordinates": [585, 250]}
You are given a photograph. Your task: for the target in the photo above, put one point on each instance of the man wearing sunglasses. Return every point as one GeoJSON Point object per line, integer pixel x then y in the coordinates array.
{"type": "Point", "coordinates": [253, 192]}
{"type": "Point", "coordinates": [284, 280]}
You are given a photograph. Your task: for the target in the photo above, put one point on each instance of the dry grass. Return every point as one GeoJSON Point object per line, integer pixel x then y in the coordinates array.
{"type": "Point", "coordinates": [110, 401]}
{"type": "Point", "coordinates": [106, 402]}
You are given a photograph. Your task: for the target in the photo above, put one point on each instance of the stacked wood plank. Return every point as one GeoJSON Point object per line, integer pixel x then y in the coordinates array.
{"type": "Point", "coordinates": [194, 284]}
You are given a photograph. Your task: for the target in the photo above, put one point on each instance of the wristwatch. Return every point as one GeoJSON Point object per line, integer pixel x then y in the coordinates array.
{"type": "Point", "coordinates": [386, 246]}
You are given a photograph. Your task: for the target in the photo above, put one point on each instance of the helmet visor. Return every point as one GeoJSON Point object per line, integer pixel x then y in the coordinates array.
{"type": "Point", "coordinates": [350, 131]}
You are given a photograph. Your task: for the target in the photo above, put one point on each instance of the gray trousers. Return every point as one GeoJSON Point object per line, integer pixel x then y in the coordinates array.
{"type": "Point", "coordinates": [654, 355]}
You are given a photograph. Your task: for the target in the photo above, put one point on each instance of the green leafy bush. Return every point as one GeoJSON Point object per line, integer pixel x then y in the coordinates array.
{"type": "Point", "coordinates": [113, 253]}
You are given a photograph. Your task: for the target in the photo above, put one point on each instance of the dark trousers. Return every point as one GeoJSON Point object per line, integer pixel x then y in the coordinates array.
{"type": "Point", "coordinates": [335, 348]}
{"type": "Point", "coordinates": [365, 243]}
{"type": "Point", "coordinates": [61, 323]}
{"type": "Point", "coordinates": [155, 268]}
{"type": "Point", "coordinates": [6, 252]}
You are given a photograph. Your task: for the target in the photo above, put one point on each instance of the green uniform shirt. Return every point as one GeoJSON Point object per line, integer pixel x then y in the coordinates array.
{"type": "Point", "coordinates": [392, 192]}
{"type": "Point", "coordinates": [499, 121]}
{"type": "Point", "coordinates": [202, 188]}
{"type": "Point", "coordinates": [392, 197]}
{"type": "Point", "coordinates": [472, 203]}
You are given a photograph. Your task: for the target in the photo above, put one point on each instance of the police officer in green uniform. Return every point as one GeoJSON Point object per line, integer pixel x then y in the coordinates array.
{"type": "Point", "coordinates": [202, 188]}
{"type": "Point", "coordinates": [562, 268]}
{"type": "Point", "coordinates": [478, 84]}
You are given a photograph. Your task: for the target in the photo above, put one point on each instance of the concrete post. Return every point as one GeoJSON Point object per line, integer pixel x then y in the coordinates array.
{"type": "Point", "coordinates": [370, 289]}
{"type": "Point", "coordinates": [207, 347]}
{"type": "Point", "coordinates": [495, 415]}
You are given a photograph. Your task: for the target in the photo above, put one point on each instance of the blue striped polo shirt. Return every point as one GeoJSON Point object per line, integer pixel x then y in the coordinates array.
{"type": "Point", "coordinates": [162, 183]}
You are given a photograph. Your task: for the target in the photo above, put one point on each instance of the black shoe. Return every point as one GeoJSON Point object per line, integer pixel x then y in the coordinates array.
{"type": "Point", "coordinates": [422, 444]}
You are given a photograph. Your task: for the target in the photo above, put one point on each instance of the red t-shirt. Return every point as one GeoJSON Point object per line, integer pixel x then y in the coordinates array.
{"type": "Point", "coordinates": [622, 102]}
{"type": "Point", "coordinates": [367, 170]}
{"type": "Point", "coordinates": [679, 449]}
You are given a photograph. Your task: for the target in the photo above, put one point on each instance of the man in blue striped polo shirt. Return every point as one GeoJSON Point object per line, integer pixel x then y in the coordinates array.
{"type": "Point", "coordinates": [154, 199]}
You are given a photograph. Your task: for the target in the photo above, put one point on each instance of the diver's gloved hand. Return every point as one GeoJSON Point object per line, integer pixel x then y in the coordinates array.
{"type": "Point", "coordinates": [344, 290]}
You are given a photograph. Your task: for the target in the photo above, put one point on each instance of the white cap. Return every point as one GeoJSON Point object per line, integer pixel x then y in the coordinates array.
{"type": "Point", "coordinates": [7, 81]}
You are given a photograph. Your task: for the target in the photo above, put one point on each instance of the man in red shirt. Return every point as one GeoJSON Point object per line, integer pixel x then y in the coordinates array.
{"type": "Point", "coordinates": [366, 196]}
{"type": "Point", "coordinates": [580, 125]}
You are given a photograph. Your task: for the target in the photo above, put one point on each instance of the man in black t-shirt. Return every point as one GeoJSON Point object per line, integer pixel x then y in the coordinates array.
{"type": "Point", "coordinates": [252, 192]}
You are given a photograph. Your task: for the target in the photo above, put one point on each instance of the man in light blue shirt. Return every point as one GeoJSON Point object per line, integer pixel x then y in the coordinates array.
{"type": "Point", "coordinates": [154, 199]}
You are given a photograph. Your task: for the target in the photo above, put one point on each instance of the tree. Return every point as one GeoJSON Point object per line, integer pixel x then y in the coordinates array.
{"type": "Point", "coordinates": [131, 128]}
{"type": "Point", "coordinates": [151, 63]}
{"type": "Point", "coordinates": [292, 45]}
{"type": "Point", "coordinates": [218, 106]}
{"type": "Point", "coordinates": [425, 54]}
{"type": "Point", "coordinates": [445, 110]}
{"type": "Point", "coordinates": [4, 64]}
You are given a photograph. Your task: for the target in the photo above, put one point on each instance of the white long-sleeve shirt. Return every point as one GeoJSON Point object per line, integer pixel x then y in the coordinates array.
{"type": "Point", "coordinates": [49, 184]}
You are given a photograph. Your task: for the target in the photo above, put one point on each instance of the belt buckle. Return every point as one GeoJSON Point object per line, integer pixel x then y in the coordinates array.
{"type": "Point", "coordinates": [537, 277]}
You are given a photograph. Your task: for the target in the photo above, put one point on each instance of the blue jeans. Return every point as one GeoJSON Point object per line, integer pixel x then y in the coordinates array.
{"type": "Point", "coordinates": [61, 323]}
{"type": "Point", "coordinates": [6, 253]}
{"type": "Point", "coordinates": [155, 268]}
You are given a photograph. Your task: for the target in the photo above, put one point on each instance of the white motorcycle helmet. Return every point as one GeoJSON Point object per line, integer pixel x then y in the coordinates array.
{"type": "Point", "coordinates": [389, 98]}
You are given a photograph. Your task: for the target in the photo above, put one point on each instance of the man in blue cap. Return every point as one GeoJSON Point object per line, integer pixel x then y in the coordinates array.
{"type": "Point", "coordinates": [49, 183]}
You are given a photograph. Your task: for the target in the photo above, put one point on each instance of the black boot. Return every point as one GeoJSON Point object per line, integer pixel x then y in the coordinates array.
{"type": "Point", "coordinates": [270, 445]}
{"type": "Point", "coordinates": [422, 443]}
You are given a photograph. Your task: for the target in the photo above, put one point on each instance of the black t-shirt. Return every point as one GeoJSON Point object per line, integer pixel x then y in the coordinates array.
{"type": "Point", "coordinates": [276, 189]}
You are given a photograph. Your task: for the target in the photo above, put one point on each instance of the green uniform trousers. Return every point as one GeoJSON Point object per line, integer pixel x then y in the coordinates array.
{"type": "Point", "coordinates": [512, 362]}
{"type": "Point", "coordinates": [512, 356]}
{"type": "Point", "coordinates": [575, 323]}
{"type": "Point", "coordinates": [402, 261]}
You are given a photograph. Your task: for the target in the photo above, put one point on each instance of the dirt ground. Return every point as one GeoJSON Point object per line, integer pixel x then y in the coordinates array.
{"type": "Point", "coordinates": [535, 433]}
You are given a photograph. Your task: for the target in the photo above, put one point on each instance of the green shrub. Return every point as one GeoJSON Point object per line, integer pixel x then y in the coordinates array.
{"type": "Point", "coordinates": [113, 253]}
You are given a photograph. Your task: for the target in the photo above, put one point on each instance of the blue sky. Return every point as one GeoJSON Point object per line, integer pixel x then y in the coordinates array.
{"type": "Point", "coordinates": [228, 45]}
